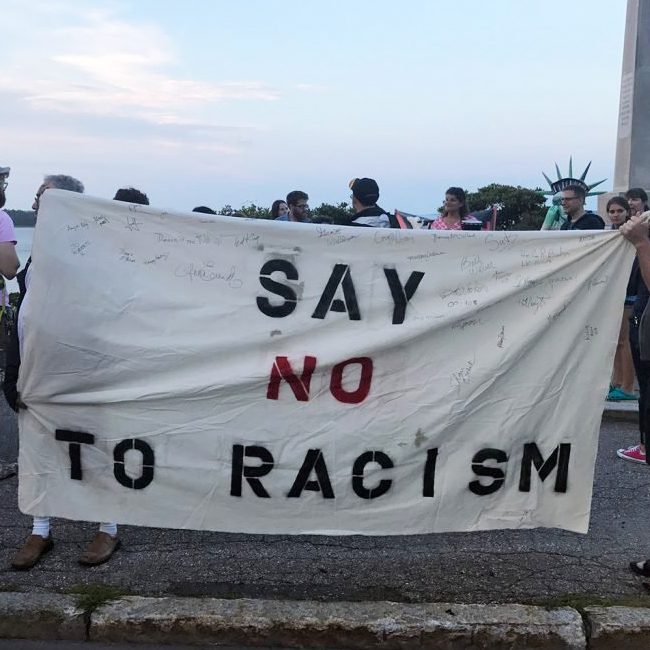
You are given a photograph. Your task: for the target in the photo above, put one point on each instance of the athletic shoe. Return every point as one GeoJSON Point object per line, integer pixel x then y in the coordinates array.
{"type": "Point", "coordinates": [619, 395]}
{"type": "Point", "coordinates": [632, 453]}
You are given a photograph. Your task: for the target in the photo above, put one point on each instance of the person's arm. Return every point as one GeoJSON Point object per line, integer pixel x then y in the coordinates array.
{"type": "Point", "coordinates": [12, 367]}
{"type": "Point", "coordinates": [636, 232]}
{"type": "Point", "coordinates": [9, 262]}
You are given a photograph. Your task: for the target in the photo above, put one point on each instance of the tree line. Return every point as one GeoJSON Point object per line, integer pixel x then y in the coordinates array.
{"type": "Point", "coordinates": [520, 208]}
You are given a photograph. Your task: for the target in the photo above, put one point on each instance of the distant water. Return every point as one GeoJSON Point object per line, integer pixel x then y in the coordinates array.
{"type": "Point", "coordinates": [24, 238]}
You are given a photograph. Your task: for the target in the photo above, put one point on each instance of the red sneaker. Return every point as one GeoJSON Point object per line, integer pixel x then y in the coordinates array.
{"type": "Point", "coordinates": [632, 453]}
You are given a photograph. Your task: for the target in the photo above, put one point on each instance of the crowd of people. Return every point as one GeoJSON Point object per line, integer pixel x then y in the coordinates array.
{"type": "Point", "coordinates": [631, 363]}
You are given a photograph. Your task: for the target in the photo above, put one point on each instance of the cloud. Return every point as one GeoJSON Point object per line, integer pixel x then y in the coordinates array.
{"type": "Point", "coordinates": [90, 62]}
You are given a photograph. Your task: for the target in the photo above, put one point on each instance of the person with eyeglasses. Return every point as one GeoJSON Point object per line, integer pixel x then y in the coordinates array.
{"type": "Point", "coordinates": [573, 205]}
{"type": "Point", "coordinates": [298, 203]}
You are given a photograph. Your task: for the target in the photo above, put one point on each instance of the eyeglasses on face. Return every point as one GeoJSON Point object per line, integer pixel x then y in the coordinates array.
{"type": "Point", "coordinates": [564, 199]}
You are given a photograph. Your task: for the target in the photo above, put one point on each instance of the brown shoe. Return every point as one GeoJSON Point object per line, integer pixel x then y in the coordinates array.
{"type": "Point", "coordinates": [34, 548]}
{"type": "Point", "coordinates": [99, 550]}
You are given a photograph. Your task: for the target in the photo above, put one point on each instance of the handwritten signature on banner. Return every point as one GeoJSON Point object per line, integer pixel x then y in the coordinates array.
{"type": "Point", "coordinates": [208, 272]}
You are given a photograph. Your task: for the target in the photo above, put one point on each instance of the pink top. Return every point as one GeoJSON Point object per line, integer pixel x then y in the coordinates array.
{"type": "Point", "coordinates": [439, 224]}
{"type": "Point", "coordinates": [7, 232]}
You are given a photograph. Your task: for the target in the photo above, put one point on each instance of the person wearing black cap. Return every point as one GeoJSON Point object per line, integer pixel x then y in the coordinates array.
{"type": "Point", "coordinates": [365, 194]}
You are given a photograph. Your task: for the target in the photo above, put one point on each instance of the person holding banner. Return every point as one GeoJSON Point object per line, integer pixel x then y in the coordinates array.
{"type": "Point", "coordinates": [636, 230]}
{"type": "Point", "coordinates": [637, 197]}
{"type": "Point", "coordinates": [105, 542]}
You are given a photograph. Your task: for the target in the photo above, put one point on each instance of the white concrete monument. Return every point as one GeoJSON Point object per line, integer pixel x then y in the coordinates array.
{"type": "Point", "coordinates": [633, 143]}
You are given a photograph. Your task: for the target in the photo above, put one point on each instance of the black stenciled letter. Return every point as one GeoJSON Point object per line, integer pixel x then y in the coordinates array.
{"type": "Point", "coordinates": [532, 456]}
{"type": "Point", "coordinates": [147, 463]}
{"type": "Point", "coordinates": [428, 483]}
{"type": "Point", "coordinates": [496, 473]}
{"type": "Point", "coordinates": [340, 276]}
{"type": "Point", "coordinates": [283, 290]}
{"type": "Point", "coordinates": [314, 462]}
{"type": "Point", "coordinates": [251, 474]}
{"type": "Point", "coordinates": [401, 295]}
{"type": "Point", "coordinates": [76, 439]}
{"type": "Point", "coordinates": [359, 468]}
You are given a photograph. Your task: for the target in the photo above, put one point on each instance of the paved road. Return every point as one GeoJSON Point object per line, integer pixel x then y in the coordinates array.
{"type": "Point", "coordinates": [81, 645]}
{"type": "Point", "coordinates": [524, 566]}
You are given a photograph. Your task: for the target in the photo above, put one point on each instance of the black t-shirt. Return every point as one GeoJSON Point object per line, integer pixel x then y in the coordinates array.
{"type": "Point", "coordinates": [588, 221]}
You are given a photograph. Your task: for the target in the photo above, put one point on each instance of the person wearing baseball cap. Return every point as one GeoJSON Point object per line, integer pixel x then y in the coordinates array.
{"type": "Point", "coordinates": [365, 194]}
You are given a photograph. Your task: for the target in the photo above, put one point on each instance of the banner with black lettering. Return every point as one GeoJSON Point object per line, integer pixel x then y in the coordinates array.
{"type": "Point", "coordinates": [188, 371]}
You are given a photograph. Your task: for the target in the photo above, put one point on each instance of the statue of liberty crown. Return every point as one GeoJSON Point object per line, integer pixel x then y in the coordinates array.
{"type": "Point", "coordinates": [563, 181]}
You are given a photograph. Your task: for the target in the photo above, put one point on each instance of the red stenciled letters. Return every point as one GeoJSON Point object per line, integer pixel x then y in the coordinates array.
{"type": "Point", "coordinates": [336, 382]}
{"type": "Point", "coordinates": [299, 385]}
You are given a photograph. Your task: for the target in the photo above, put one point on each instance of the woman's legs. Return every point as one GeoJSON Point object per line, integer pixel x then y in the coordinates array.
{"type": "Point", "coordinates": [623, 374]}
{"type": "Point", "coordinates": [637, 453]}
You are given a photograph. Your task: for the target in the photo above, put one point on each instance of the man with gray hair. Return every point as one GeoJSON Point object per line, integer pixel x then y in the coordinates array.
{"type": "Point", "coordinates": [105, 542]}
{"type": "Point", "coordinates": [59, 182]}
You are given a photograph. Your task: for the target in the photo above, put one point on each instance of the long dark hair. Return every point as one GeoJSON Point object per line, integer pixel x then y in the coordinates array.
{"type": "Point", "coordinates": [275, 207]}
{"type": "Point", "coordinates": [3, 198]}
{"type": "Point", "coordinates": [458, 193]}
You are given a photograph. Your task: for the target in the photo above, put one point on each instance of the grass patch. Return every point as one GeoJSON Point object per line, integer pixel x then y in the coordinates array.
{"type": "Point", "coordinates": [90, 597]}
{"type": "Point", "coordinates": [582, 601]}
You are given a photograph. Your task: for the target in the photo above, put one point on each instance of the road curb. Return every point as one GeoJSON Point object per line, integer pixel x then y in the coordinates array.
{"type": "Point", "coordinates": [312, 624]}
{"type": "Point", "coordinates": [41, 617]}
{"type": "Point", "coordinates": [356, 626]}
{"type": "Point", "coordinates": [620, 415]}
{"type": "Point", "coordinates": [618, 627]}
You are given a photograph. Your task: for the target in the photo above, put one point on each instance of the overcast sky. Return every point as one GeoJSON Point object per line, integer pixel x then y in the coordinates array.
{"type": "Point", "coordinates": [223, 101]}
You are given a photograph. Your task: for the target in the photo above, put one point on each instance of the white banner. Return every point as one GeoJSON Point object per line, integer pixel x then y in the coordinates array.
{"type": "Point", "coordinates": [230, 374]}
